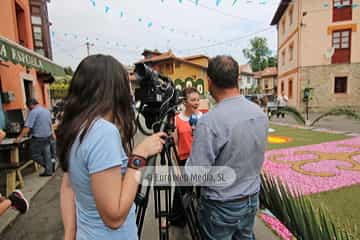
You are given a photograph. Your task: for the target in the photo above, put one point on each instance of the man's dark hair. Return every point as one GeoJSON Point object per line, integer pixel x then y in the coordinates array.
{"type": "Point", "coordinates": [31, 102]}
{"type": "Point", "coordinates": [223, 71]}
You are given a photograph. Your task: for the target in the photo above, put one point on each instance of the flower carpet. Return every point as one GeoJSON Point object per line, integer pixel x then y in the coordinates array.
{"type": "Point", "coordinates": [312, 169]}
{"type": "Point", "coordinates": [316, 168]}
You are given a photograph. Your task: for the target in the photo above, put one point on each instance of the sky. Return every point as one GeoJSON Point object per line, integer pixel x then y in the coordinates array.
{"type": "Point", "coordinates": [124, 28]}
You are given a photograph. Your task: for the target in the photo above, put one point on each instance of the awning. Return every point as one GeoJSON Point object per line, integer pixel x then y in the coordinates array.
{"type": "Point", "coordinates": [17, 54]}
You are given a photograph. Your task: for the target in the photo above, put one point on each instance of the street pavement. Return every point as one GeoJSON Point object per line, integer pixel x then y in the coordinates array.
{"type": "Point", "coordinates": [43, 220]}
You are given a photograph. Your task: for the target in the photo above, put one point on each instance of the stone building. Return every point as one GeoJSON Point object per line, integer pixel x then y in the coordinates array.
{"type": "Point", "coordinates": [317, 49]}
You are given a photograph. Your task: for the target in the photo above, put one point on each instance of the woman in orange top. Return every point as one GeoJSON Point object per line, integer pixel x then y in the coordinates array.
{"type": "Point", "coordinates": [183, 140]}
{"type": "Point", "coordinates": [183, 134]}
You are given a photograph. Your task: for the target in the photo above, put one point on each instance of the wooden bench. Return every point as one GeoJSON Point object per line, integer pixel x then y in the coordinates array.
{"type": "Point", "coordinates": [14, 164]}
{"type": "Point", "coordinates": [14, 177]}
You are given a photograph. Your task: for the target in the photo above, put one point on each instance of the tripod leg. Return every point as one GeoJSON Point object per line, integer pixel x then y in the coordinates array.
{"type": "Point", "coordinates": [141, 210]}
{"type": "Point", "coordinates": [162, 213]}
{"type": "Point", "coordinates": [188, 199]}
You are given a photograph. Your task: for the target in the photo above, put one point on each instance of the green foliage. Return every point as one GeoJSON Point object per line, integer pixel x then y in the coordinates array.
{"type": "Point", "coordinates": [259, 54]}
{"type": "Point", "coordinates": [68, 71]}
{"type": "Point", "coordinates": [272, 61]}
{"type": "Point", "coordinates": [297, 213]}
{"type": "Point", "coordinates": [291, 111]}
{"type": "Point", "coordinates": [59, 91]}
{"type": "Point", "coordinates": [338, 111]}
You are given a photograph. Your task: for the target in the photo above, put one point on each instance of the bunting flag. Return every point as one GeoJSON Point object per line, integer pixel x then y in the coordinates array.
{"type": "Point", "coordinates": [151, 24]}
{"type": "Point", "coordinates": [107, 9]}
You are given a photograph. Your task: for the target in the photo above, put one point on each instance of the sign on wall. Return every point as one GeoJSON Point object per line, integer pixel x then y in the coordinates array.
{"type": "Point", "coordinates": [17, 54]}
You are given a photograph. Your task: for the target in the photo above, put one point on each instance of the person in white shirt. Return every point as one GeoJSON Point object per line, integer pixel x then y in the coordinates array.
{"type": "Point", "coordinates": [282, 102]}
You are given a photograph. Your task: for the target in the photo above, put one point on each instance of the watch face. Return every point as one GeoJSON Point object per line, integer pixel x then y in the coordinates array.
{"type": "Point", "coordinates": [137, 162]}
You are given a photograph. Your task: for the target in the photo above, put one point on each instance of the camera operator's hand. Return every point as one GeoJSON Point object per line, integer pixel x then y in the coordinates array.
{"type": "Point", "coordinates": [150, 145]}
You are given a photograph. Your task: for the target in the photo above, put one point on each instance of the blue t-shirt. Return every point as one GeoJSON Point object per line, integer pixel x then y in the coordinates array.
{"type": "Point", "coordinates": [39, 121]}
{"type": "Point", "coordinates": [101, 149]}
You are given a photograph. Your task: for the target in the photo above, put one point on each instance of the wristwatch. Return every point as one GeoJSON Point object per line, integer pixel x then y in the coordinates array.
{"type": "Point", "coordinates": [136, 162]}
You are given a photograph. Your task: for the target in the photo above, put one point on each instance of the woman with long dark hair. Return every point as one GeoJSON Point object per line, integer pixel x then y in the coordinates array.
{"type": "Point", "coordinates": [95, 149]}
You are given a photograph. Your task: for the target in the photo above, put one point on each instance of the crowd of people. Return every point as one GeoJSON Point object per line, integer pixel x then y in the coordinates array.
{"type": "Point", "coordinates": [279, 104]}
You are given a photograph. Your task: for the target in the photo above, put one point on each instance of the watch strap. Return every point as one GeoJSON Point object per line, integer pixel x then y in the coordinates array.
{"type": "Point", "coordinates": [136, 161]}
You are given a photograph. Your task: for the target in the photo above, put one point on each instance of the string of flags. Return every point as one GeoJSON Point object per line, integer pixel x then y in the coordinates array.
{"type": "Point", "coordinates": [107, 9]}
{"type": "Point", "coordinates": [150, 24]}
{"type": "Point", "coordinates": [56, 35]}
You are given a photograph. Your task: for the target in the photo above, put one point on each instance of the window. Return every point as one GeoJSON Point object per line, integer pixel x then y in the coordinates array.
{"type": "Point", "coordinates": [290, 88]}
{"type": "Point", "coordinates": [340, 85]}
{"type": "Point", "coordinates": [248, 80]}
{"type": "Point", "coordinates": [38, 44]}
{"type": "Point", "coordinates": [21, 25]}
{"type": "Point", "coordinates": [266, 86]}
{"type": "Point", "coordinates": [37, 33]}
{"type": "Point", "coordinates": [169, 68]}
{"type": "Point", "coordinates": [342, 10]}
{"type": "Point", "coordinates": [341, 41]}
{"type": "Point", "coordinates": [291, 52]}
{"type": "Point", "coordinates": [36, 20]}
{"type": "Point", "coordinates": [283, 26]}
{"type": "Point", "coordinates": [342, 3]}
{"type": "Point", "coordinates": [282, 86]}
{"type": "Point", "coordinates": [283, 57]}
{"type": "Point", "coordinates": [35, 10]}
{"type": "Point", "coordinates": [177, 64]}
{"type": "Point", "coordinates": [291, 16]}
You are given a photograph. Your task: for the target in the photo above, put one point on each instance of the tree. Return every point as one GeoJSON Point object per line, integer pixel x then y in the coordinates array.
{"type": "Point", "coordinates": [259, 55]}
{"type": "Point", "coordinates": [272, 61]}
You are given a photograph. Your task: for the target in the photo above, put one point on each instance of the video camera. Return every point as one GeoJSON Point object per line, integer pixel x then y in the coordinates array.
{"type": "Point", "coordinates": [157, 94]}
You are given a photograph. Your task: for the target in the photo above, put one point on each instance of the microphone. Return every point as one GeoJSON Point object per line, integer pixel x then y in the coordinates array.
{"type": "Point", "coordinates": [193, 119]}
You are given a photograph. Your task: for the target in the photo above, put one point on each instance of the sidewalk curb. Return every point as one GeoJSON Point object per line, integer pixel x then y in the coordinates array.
{"type": "Point", "coordinates": [326, 130]}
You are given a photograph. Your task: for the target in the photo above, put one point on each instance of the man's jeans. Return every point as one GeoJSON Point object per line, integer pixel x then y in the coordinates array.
{"type": "Point", "coordinates": [40, 152]}
{"type": "Point", "coordinates": [228, 220]}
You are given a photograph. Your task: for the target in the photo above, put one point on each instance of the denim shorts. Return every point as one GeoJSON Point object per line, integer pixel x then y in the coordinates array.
{"type": "Point", "coordinates": [228, 220]}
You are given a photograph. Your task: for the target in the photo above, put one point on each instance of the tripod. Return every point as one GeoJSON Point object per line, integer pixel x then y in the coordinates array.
{"type": "Point", "coordinates": [166, 158]}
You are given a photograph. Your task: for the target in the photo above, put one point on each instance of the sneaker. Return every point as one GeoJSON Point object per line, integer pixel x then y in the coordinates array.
{"type": "Point", "coordinates": [19, 202]}
{"type": "Point", "coordinates": [53, 161]}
